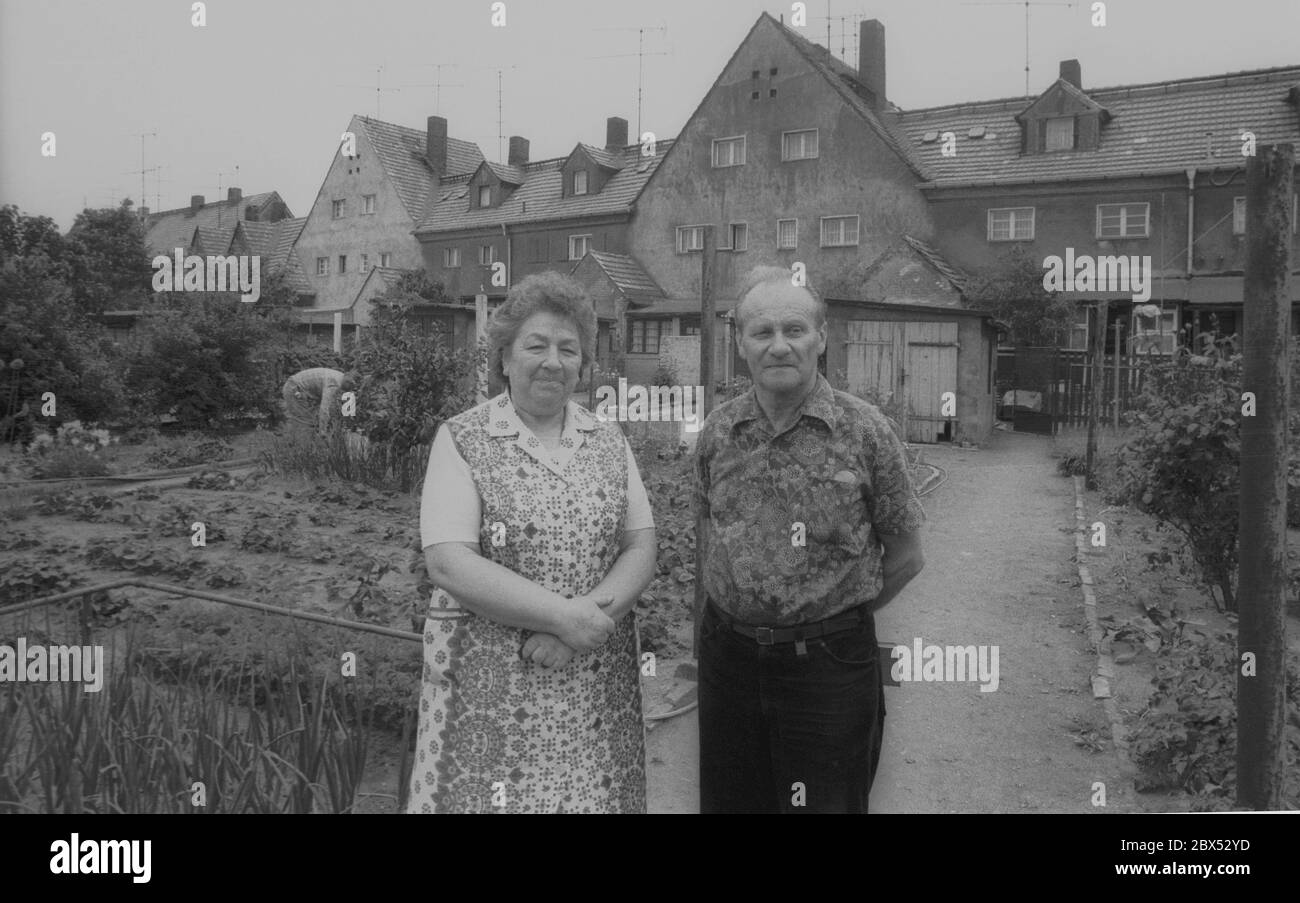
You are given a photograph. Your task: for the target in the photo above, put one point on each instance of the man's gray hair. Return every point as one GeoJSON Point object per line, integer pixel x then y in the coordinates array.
{"type": "Point", "coordinates": [765, 275]}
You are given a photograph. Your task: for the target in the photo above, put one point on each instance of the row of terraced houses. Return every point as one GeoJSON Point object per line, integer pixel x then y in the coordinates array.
{"type": "Point", "coordinates": [795, 156]}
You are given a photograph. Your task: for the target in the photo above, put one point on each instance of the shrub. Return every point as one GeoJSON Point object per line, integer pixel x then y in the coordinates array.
{"type": "Point", "coordinates": [410, 381]}
{"type": "Point", "coordinates": [1181, 464]}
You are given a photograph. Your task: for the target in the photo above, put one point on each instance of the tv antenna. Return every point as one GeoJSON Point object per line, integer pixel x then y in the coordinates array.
{"type": "Point", "coordinates": [437, 84]}
{"type": "Point", "coordinates": [640, 55]}
{"type": "Point", "coordinates": [380, 90]}
{"type": "Point", "coordinates": [1026, 4]}
{"type": "Point", "coordinates": [141, 171]}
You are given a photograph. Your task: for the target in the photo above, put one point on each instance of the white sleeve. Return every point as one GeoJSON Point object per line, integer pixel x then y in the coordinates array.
{"type": "Point", "coordinates": [639, 515]}
{"type": "Point", "coordinates": [450, 508]}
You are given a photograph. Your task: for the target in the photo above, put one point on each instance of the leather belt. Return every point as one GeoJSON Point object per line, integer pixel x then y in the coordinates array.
{"type": "Point", "coordinates": [770, 636]}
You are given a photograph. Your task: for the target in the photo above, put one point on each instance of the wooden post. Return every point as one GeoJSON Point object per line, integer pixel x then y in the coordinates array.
{"type": "Point", "coordinates": [1261, 593]}
{"type": "Point", "coordinates": [1119, 325]}
{"type": "Point", "coordinates": [480, 336]}
{"type": "Point", "coordinates": [707, 312]}
{"type": "Point", "coordinates": [1094, 406]}
{"type": "Point", "coordinates": [706, 378]}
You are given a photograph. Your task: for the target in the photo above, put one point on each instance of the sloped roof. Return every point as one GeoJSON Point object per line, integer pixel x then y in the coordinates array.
{"type": "Point", "coordinates": [540, 198]}
{"type": "Point", "coordinates": [168, 230]}
{"type": "Point", "coordinates": [950, 272]}
{"type": "Point", "coordinates": [602, 156]}
{"type": "Point", "coordinates": [512, 174]}
{"type": "Point", "coordinates": [401, 150]}
{"type": "Point", "coordinates": [1157, 127]}
{"type": "Point", "coordinates": [628, 275]}
{"type": "Point", "coordinates": [849, 86]}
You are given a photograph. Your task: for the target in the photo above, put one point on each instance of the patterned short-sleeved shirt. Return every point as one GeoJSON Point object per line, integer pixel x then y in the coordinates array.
{"type": "Point", "coordinates": [794, 520]}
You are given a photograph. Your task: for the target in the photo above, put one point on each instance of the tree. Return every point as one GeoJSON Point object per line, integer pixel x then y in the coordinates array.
{"type": "Point", "coordinates": [109, 262]}
{"type": "Point", "coordinates": [1012, 291]}
{"type": "Point", "coordinates": [61, 350]}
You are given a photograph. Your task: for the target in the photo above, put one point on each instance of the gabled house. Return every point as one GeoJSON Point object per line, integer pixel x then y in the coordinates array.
{"type": "Point", "coordinates": [274, 243]}
{"type": "Point", "coordinates": [207, 228]}
{"type": "Point", "coordinates": [795, 157]}
{"type": "Point", "coordinates": [1148, 171]}
{"type": "Point", "coordinates": [502, 222]}
{"type": "Point", "coordinates": [366, 208]}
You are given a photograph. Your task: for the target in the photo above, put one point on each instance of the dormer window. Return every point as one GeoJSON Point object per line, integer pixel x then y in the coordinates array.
{"type": "Point", "coordinates": [580, 182]}
{"type": "Point", "coordinates": [485, 195]}
{"type": "Point", "coordinates": [1060, 133]}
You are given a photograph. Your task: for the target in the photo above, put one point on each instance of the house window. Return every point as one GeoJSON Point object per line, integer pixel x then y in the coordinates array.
{"type": "Point", "coordinates": [690, 238]}
{"type": "Point", "coordinates": [338, 208]}
{"type": "Point", "coordinates": [787, 233]}
{"type": "Point", "coordinates": [839, 231]}
{"type": "Point", "coordinates": [1060, 133]}
{"type": "Point", "coordinates": [343, 264]}
{"type": "Point", "coordinates": [580, 182]}
{"type": "Point", "coordinates": [1011, 224]}
{"type": "Point", "coordinates": [1123, 220]}
{"type": "Point", "coordinates": [801, 145]}
{"type": "Point", "coordinates": [737, 237]}
{"type": "Point", "coordinates": [487, 254]}
{"type": "Point", "coordinates": [643, 336]}
{"type": "Point", "coordinates": [365, 263]}
{"type": "Point", "coordinates": [1238, 216]}
{"type": "Point", "coordinates": [367, 205]}
{"type": "Point", "coordinates": [728, 151]}
{"type": "Point", "coordinates": [578, 246]}
{"type": "Point", "coordinates": [385, 259]}
{"type": "Point", "coordinates": [485, 195]}
{"type": "Point", "coordinates": [450, 257]}
{"type": "Point", "coordinates": [1155, 334]}
{"type": "Point", "coordinates": [322, 266]}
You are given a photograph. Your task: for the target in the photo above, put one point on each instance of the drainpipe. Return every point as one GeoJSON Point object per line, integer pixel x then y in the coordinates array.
{"type": "Point", "coordinates": [510, 273]}
{"type": "Point", "coordinates": [1191, 211]}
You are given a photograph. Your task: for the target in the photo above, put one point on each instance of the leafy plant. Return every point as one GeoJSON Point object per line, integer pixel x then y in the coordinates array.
{"type": "Point", "coordinates": [1181, 463]}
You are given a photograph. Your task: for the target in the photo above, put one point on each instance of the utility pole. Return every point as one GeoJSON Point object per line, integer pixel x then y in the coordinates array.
{"type": "Point", "coordinates": [1262, 565]}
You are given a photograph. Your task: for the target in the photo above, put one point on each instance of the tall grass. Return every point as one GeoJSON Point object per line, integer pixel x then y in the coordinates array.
{"type": "Point", "coordinates": [1070, 447]}
{"type": "Point", "coordinates": [142, 744]}
{"type": "Point", "coordinates": [349, 457]}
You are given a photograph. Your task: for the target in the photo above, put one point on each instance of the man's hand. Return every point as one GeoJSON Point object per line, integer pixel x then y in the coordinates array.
{"type": "Point", "coordinates": [583, 624]}
{"type": "Point", "coordinates": [547, 650]}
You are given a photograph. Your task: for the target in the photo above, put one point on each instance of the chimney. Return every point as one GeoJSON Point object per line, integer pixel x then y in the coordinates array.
{"type": "Point", "coordinates": [871, 60]}
{"type": "Point", "coordinates": [518, 153]}
{"type": "Point", "coordinates": [196, 201]}
{"type": "Point", "coordinates": [233, 195]}
{"type": "Point", "coordinates": [615, 133]}
{"type": "Point", "coordinates": [1072, 73]}
{"type": "Point", "coordinates": [435, 145]}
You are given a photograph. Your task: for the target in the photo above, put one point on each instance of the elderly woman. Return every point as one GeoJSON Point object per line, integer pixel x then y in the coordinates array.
{"type": "Point", "coordinates": [538, 533]}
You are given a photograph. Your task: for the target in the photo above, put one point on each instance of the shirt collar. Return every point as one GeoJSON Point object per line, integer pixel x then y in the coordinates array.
{"type": "Point", "coordinates": [504, 420]}
{"type": "Point", "coordinates": [820, 404]}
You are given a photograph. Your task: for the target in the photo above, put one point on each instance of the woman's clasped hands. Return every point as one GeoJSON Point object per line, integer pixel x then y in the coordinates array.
{"type": "Point", "coordinates": [582, 626]}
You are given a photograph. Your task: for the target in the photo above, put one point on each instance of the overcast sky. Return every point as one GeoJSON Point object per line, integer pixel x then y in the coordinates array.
{"type": "Point", "coordinates": [269, 86]}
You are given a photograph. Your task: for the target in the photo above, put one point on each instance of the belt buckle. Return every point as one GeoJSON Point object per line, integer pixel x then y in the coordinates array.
{"type": "Point", "coordinates": [764, 636]}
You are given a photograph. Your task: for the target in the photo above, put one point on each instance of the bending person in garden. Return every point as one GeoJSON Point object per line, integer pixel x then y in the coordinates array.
{"type": "Point", "coordinates": [538, 534]}
{"type": "Point", "coordinates": [312, 399]}
{"type": "Point", "coordinates": [810, 524]}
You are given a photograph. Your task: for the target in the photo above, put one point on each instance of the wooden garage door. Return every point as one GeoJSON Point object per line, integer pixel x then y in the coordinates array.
{"type": "Point", "coordinates": [930, 371]}
{"type": "Point", "coordinates": [916, 360]}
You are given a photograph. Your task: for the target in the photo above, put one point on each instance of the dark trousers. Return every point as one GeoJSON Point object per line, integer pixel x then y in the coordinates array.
{"type": "Point", "coordinates": [784, 732]}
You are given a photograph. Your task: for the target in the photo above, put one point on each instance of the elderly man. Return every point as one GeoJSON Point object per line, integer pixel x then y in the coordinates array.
{"type": "Point", "coordinates": [311, 399]}
{"type": "Point", "coordinates": [810, 524]}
